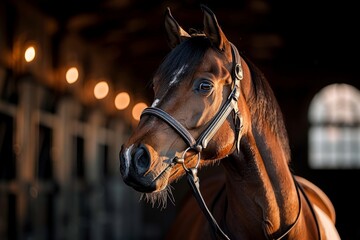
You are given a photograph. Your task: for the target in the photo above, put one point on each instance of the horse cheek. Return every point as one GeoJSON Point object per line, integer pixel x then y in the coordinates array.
{"type": "Point", "coordinates": [221, 144]}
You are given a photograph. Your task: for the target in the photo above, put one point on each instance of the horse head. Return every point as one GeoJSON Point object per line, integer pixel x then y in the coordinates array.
{"type": "Point", "coordinates": [197, 90]}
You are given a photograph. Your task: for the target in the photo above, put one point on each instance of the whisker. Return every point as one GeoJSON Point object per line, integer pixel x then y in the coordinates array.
{"type": "Point", "coordinates": [159, 199]}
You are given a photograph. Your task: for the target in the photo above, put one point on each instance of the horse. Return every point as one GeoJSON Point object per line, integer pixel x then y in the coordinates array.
{"type": "Point", "coordinates": [213, 107]}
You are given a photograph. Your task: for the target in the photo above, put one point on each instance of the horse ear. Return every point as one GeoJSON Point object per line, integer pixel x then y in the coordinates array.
{"type": "Point", "coordinates": [175, 34]}
{"type": "Point", "coordinates": [212, 29]}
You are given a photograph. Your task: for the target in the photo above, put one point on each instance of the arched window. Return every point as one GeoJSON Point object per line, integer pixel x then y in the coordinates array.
{"type": "Point", "coordinates": [334, 134]}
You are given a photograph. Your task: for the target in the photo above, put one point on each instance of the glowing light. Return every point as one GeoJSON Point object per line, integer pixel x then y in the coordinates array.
{"type": "Point", "coordinates": [122, 100]}
{"type": "Point", "coordinates": [137, 110]}
{"type": "Point", "coordinates": [72, 75]}
{"type": "Point", "coordinates": [30, 54]}
{"type": "Point", "coordinates": [101, 89]}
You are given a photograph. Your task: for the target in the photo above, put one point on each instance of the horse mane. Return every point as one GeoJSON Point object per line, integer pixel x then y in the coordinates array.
{"type": "Point", "coordinates": [264, 107]}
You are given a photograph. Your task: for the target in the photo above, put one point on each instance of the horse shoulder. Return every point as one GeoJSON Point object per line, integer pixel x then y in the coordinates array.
{"type": "Point", "coordinates": [318, 197]}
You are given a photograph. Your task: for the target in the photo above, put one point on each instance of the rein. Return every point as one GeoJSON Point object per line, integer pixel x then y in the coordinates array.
{"type": "Point", "coordinates": [204, 138]}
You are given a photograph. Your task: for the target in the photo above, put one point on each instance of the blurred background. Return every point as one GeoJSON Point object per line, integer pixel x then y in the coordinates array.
{"type": "Point", "coordinates": [75, 75]}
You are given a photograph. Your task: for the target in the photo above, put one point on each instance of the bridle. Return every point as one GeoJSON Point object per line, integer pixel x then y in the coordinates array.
{"type": "Point", "coordinates": [218, 120]}
{"type": "Point", "coordinates": [201, 143]}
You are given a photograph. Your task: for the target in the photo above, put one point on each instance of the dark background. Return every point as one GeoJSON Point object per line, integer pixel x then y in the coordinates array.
{"type": "Point", "coordinates": [301, 46]}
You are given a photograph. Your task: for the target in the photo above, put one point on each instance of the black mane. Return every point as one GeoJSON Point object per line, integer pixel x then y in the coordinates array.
{"type": "Point", "coordinates": [264, 107]}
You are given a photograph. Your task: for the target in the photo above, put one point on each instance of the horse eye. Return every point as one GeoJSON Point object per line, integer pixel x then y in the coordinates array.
{"type": "Point", "coordinates": [205, 86]}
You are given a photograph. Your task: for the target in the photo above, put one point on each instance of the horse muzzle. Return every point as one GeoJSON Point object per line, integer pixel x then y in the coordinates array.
{"type": "Point", "coordinates": [134, 166]}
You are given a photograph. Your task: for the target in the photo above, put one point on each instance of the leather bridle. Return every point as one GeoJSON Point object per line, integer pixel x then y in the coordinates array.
{"type": "Point", "coordinates": [218, 120]}
{"type": "Point", "coordinates": [201, 143]}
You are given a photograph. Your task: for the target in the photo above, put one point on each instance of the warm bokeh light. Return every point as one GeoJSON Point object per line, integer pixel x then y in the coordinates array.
{"type": "Point", "coordinates": [72, 75]}
{"type": "Point", "coordinates": [101, 89]}
{"type": "Point", "coordinates": [137, 110]}
{"type": "Point", "coordinates": [122, 100]}
{"type": "Point", "coordinates": [30, 54]}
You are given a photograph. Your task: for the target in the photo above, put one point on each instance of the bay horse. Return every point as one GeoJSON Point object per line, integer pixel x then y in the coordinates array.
{"type": "Point", "coordinates": [214, 107]}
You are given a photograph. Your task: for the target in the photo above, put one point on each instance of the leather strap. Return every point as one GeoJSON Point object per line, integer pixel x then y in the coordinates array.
{"type": "Point", "coordinates": [229, 105]}
{"type": "Point", "coordinates": [178, 127]}
{"type": "Point", "coordinates": [219, 119]}
{"type": "Point", "coordinates": [194, 183]}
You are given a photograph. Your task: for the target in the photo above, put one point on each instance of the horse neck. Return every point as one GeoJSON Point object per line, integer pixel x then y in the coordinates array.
{"type": "Point", "coordinates": [259, 184]}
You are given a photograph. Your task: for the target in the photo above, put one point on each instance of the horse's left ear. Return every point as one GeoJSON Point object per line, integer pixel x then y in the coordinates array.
{"type": "Point", "coordinates": [212, 29]}
{"type": "Point", "coordinates": [175, 33]}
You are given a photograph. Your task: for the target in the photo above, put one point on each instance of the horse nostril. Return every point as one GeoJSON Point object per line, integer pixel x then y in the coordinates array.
{"type": "Point", "coordinates": [141, 160]}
